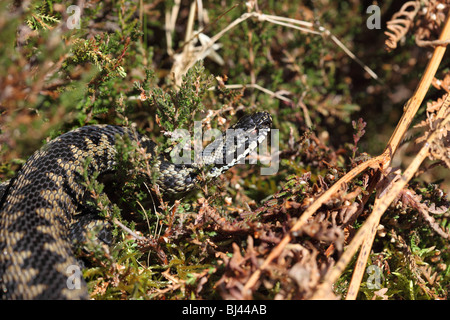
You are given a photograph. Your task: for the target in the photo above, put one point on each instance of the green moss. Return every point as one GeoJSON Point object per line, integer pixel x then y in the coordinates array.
{"type": "Point", "coordinates": [116, 69]}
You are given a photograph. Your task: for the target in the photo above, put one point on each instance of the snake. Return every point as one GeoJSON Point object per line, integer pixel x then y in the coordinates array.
{"type": "Point", "coordinates": [40, 205]}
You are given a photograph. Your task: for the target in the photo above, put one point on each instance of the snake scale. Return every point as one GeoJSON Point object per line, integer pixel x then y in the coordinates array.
{"type": "Point", "coordinates": [39, 205]}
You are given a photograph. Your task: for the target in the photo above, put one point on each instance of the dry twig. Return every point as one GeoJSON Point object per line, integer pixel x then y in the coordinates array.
{"type": "Point", "coordinates": [188, 58]}
{"type": "Point", "coordinates": [382, 162]}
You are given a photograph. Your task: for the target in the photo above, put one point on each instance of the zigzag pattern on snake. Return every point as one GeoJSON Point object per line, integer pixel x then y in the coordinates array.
{"type": "Point", "coordinates": [40, 204]}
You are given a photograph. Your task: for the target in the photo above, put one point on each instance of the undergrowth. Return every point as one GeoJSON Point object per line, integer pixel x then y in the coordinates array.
{"type": "Point", "coordinates": [122, 66]}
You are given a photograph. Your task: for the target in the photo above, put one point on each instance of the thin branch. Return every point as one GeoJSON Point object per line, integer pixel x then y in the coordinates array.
{"type": "Point", "coordinates": [255, 86]}
{"type": "Point", "coordinates": [381, 161]}
{"type": "Point", "coordinates": [286, 22]}
{"type": "Point", "coordinates": [384, 201]}
{"type": "Point", "coordinates": [128, 230]}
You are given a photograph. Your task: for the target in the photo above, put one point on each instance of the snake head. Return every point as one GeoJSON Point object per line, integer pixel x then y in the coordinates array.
{"type": "Point", "coordinates": [236, 144]}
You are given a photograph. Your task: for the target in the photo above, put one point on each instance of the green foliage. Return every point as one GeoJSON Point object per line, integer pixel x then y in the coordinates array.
{"type": "Point", "coordinates": [42, 16]}
{"type": "Point", "coordinates": [94, 51]}
{"type": "Point", "coordinates": [116, 69]}
{"type": "Point", "coordinates": [178, 106]}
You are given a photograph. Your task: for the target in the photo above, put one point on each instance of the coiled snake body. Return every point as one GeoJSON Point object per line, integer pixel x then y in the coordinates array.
{"type": "Point", "coordinates": [38, 207]}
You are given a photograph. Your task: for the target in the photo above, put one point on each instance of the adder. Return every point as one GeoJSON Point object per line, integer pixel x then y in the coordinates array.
{"type": "Point", "coordinates": [39, 206]}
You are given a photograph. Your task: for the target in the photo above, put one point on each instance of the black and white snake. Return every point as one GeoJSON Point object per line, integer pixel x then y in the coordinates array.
{"type": "Point", "coordinates": [38, 207]}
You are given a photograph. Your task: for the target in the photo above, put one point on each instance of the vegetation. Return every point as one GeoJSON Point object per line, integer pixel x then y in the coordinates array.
{"type": "Point", "coordinates": [138, 63]}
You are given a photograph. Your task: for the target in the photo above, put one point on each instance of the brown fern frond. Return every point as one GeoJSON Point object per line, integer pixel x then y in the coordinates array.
{"type": "Point", "coordinates": [400, 23]}
{"type": "Point", "coordinates": [433, 14]}
{"type": "Point", "coordinates": [433, 119]}
{"type": "Point", "coordinates": [443, 84]}
{"type": "Point", "coordinates": [440, 147]}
